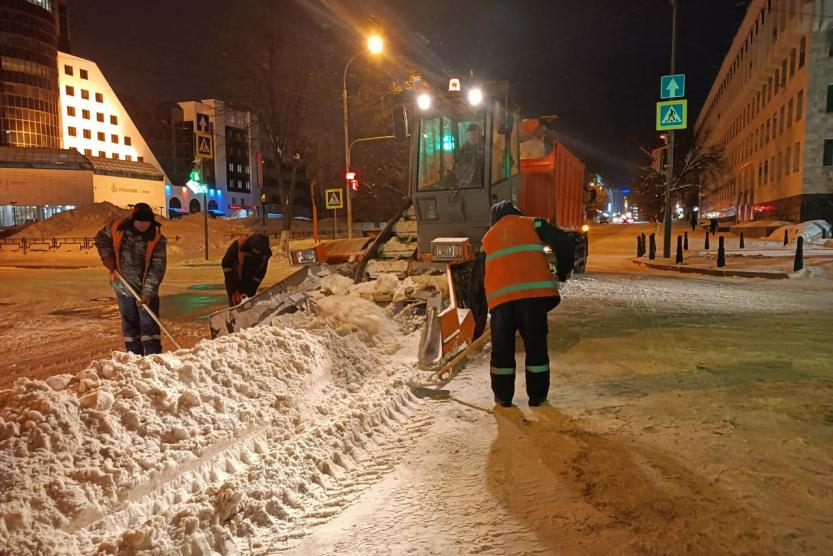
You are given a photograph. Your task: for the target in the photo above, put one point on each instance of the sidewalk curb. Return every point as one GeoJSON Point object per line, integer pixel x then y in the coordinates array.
{"type": "Point", "coordinates": [714, 271]}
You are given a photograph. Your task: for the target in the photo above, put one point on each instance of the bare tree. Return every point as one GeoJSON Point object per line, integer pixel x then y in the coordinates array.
{"type": "Point", "coordinates": [691, 168]}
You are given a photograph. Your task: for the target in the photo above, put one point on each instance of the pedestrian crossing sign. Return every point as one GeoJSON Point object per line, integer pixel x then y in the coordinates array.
{"type": "Point", "coordinates": [334, 198]}
{"type": "Point", "coordinates": [672, 114]}
{"type": "Point", "coordinates": [203, 145]}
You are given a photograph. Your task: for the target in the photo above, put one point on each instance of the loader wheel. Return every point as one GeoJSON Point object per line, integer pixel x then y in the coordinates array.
{"type": "Point", "coordinates": [468, 286]}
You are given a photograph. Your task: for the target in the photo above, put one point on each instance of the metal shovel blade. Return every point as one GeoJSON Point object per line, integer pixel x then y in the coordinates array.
{"type": "Point", "coordinates": [431, 339]}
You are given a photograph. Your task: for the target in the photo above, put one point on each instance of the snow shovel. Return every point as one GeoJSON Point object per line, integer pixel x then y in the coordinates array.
{"type": "Point", "coordinates": [147, 309]}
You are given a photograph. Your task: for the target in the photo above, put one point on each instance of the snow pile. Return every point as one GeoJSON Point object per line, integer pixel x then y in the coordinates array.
{"type": "Point", "coordinates": [350, 314]}
{"type": "Point", "coordinates": [186, 236]}
{"type": "Point", "coordinates": [84, 221]}
{"type": "Point", "coordinates": [811, 231]}
{"type": "Point", "coordinates": [187, 452]}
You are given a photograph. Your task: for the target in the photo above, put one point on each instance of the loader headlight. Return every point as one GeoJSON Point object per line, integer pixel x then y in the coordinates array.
{"type": "Point", "coordinates": [451, 249]}
{"type": "Point", "coordinates": [304, 256]}
{"type": "Point", "coordinates": [585, 228]}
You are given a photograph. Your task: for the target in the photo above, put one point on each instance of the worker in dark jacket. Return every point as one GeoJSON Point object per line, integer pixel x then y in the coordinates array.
{"type": "Point", "coordinates": [520, 291]}
{"type": "Point", "coordinates": [244, 266]}
{"type": "Point", "coordinates": [135, 248]}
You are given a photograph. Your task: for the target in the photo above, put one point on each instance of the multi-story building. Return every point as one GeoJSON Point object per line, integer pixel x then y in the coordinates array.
{"type": "Point", "coordinates": [770, 111]}
{"type": "Point", "coordinates": [29, 36]}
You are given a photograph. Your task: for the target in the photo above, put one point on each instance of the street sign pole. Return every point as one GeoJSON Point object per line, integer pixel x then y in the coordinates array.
{"type": "Point", "coordinates": [666, 236]}
{"type": "Point", "coordinates": [335, 223]}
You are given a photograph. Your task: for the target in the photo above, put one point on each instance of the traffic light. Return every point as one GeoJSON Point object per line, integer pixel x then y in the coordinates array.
{"type": "Point", "coordinates": [195, 175]}
{"type": "Point", "coordinates": [352, 182]}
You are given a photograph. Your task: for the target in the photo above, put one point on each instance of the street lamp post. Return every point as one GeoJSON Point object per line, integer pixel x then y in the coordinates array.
{"type": "Point", "coordinates": [375, 45]}
{"type": "Point", "coordinates": [666, 239]}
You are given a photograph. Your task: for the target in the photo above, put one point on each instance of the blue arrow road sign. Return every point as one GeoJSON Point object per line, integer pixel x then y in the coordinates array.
{"type": "Point", "coordinates": [672, 86]}
{"type": "Point", "coordinates": [203, 123]}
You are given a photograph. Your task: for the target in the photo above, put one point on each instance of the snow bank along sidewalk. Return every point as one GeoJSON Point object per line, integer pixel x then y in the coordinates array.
{"type": "Point", "coordinates": [253, 435]}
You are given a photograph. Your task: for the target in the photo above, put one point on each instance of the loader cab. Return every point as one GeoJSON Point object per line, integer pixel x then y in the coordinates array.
{"type": "Point", "coordinates": [465, 157]}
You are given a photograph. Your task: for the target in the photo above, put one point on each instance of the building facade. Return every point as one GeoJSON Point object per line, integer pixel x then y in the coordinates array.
{"type": "Point", "coordinates": [29, 104]}
{"type": "Point", "coordinates": [770, 112]}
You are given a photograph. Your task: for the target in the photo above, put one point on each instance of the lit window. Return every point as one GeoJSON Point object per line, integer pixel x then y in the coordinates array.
{"type": "Point", "coordinates": [85, 94]}
{"type": "Point", "coordinates": [70, 111]}
{"type": "Point", "coordinates": [114, 138]}
{"type": "Point", "coordinates": [72, 131]}
{"type": "Point", "coordinates": [70, 90]}
{"type": "Point", "coordinates": [68, 70]}
{"type": "Point", "coordinates": [115, 156]}
{"type": "Point", "coordinates": [101, 136]}
{"type": "Point", "coordinates": [85, 114]}
{"type": "Point", "coordinates": [83, 74]}
{"type": "Point", "coordinates": [128, 157]}
{"type": "Point", "coordinates": [99, 117]}
{"type": "Point", "coordinates": [114, 120]}
{"type": "Point", "coordinates": [88, 152]}
{"type": "Point", "coordinates": [99, 97]}
{"type": "Point", "coordinates": [127, 141]}
{"type": "Point", "coordinates": [140, 158]}
{"type": "Point", "coordinates": [102, 154]}
{"type": "Point", "coordinates": [88, 134]}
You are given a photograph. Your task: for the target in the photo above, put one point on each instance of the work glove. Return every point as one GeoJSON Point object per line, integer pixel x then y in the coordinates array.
{"type": "Point", "coordinates": [109, 262]}
{"type": "Point", "coordinates": [147, 298]}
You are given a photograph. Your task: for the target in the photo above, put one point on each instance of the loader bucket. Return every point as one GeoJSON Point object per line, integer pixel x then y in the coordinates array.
{"type": "Point", "coordinates": [431, 339]}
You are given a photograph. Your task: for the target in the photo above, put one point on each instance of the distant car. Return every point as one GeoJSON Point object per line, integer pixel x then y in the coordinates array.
{"type": "Point", "coordinates": [604, 219]}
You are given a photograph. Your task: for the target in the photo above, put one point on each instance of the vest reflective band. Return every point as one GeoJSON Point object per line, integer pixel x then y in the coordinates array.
{"type": "Point", "coordinates": [118, 235]}
{"type": "Point", "coordinates": [516, 267]}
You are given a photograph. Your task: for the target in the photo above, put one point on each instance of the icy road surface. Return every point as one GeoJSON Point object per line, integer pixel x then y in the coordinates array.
{"type": "Point", "coordinates": [688, 416]}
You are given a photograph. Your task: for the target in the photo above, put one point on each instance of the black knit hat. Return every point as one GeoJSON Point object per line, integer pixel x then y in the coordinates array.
{"type": "Point", "coordinates": [142, 212]}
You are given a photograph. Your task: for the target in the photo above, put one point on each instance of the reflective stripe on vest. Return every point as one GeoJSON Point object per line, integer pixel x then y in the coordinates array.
{"type": "Point", "coordinates": [516, 267]}
{"type": "Point", "coordinates": [118, 235]}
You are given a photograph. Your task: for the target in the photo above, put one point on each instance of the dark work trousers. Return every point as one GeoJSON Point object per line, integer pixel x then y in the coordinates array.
{"type": "Point", "coordinates": [529, 317]}
{"type": "Point", "coordinates": [141, 333]}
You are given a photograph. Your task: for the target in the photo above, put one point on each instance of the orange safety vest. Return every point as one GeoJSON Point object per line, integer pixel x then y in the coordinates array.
{"type": "Point", "coordinates": [516, 267]}
{"type": "Point", "coordinates": [118, 234]}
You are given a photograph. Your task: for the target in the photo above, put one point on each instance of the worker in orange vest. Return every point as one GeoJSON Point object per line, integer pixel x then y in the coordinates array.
{"type": "Point", "coordinates": [135, 248]}
{"type": "Point", "coordinates": [520, 291]}
{"type": "Point", "coordinates": [244, 266]}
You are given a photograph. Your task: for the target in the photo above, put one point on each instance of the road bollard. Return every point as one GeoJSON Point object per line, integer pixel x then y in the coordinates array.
{"type": "Point", "coordinates": [742, 244]}
{"type": "Point", "coordinates": [721, 253]}
{"type": "Point", "coordinates": [707, 242]}
{"type": "Point", "coordinates": [786, 237]}
{"type": "Point", "coordinates": [652, 247]}
{"type": "Point", "coordinates": [685, 241]}
{"type": "Point", "coordinates": [644, 245]}
{"type": "Point", "coordinates": [679, 249]}
{"type": "Point", "coordinates": [639, 252]}
{"type": "Point", "coordinates": [798, 264]}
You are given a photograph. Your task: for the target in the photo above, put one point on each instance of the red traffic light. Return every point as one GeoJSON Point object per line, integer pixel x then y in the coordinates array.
{"type": "Point", "coordinates": [350, 176]}
{"type": "Point", "coordinates": [354, 185]}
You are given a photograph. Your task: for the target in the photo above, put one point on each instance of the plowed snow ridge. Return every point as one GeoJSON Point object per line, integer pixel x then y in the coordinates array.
{"type": "Point", "coordinates": [259, 434]}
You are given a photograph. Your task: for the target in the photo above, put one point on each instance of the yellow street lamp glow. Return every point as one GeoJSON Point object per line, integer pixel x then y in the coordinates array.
{"type": "Point", "coordinates": [475, 96]}
{"type": "Point", "coordinates": [375, 44]}
{"type": "Point", "coordinates": [424, 101]}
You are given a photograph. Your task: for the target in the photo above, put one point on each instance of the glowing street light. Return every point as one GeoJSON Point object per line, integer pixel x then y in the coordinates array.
{"type": "Point", "coordinates": [375, 44]}
{"type": "Point", "coordinates": [424, 101]}
{"type": "Point", "coordinates": [475, 96]}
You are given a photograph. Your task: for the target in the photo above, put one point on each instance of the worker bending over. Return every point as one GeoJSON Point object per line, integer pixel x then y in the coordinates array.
{"type": "Point", "coordinates": [244, 266]}
{"type": "Point", "coordinates": [520, 291]}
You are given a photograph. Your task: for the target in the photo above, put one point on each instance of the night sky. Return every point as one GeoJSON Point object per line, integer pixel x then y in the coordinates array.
{"type": "Point", "coordinates": [594, 63]}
